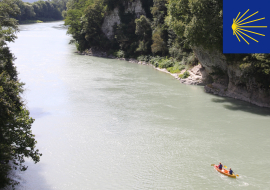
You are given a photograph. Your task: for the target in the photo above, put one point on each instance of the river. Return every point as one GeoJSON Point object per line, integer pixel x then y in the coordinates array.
{"type": "Point", "coordinates": [110, 124]}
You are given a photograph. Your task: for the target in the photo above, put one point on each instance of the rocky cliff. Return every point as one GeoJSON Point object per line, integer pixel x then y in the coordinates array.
{"type": "Point", "coordinates": [113, 17]}
{"type": "Point", "coordinates": [229, 80]}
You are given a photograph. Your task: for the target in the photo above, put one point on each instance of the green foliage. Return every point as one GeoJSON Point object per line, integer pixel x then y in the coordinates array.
{"type": "Point", "coordinates": [184, 75]}
{"type": "Point", "coordinates": [145, 58]}
{"type": "Point", "coordinates": [177, 68]}
{"type": "Point", "coordinates": [159, 12]}
{"type": "Point", "coordinates": [165, 63]}
{"type": "Point", "coordinates": [155, 60]}
{"type": "Point", "coordinates": [125, 35]}
{"type": "Point", "coordinates": [257, 66]}
{"type": "Point", "coordinates": [92, 21]}
{"type": "Point", "coordinates": [31, 21]}
{"type": "Point", "coordinates": [119, 54]}
{"type": "Point", "coordinates": [159, 28]}
{"type": "Point", "coordinates": [16, 138]}
{"type": "Point", "coordinates": [199, 22]}
{"type": "Point", "coordinates": [162, 62]}
{"type": "Point", "coordinates": [159, 45]}
{"type": "Point", "coordinates": [40, 10]}
{"type": "Point", "coordinates": [177, 49]}
{"type": "Point", "coordinates": [144, 32]}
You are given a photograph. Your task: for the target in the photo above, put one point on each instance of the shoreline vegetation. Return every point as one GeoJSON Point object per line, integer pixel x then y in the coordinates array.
{"type": "Point", "coordinates": [30, 21]}
{"type": "Point", "coordinates": [187, 74]}
{"type": "Point", "coordinates": [37, 21]}
{"type": "Point", "coordinates": [40, 11]}
{"type": "Point", "coordinates": [16, 139]}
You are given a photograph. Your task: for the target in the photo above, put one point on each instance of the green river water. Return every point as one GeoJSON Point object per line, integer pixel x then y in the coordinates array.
{"type": "Point", "coordinates": [109, 124]}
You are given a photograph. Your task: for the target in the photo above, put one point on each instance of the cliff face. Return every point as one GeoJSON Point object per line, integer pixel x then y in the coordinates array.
{"type": "Point", "coordinates": [113, 17]}
{"type": "Point", "coordinates": [224, 79]}
{"type": "Point", "coordinates": [109, 21]}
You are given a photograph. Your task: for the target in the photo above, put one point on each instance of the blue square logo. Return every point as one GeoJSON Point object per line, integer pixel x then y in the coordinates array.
{"type": "Point", "coordinates": [246, 27]}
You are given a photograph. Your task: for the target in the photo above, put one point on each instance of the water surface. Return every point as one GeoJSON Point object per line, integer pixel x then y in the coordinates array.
{"type": "Point", "coordinates": [109, 124]}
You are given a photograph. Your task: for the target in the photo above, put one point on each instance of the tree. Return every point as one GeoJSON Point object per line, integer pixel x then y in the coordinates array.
{"type": "Point", "coordinates": [158, 46]}
{"type": "Point", "coordinates": [199, 22]}
{"type": "Point", "coordinates": [159, 27]}
{"type": "Point", "coordinates": [144, 31]}
{"type": "Point", "coordinates": [92, 21]}
{"type": "Point", "coordinates": [16, 138]}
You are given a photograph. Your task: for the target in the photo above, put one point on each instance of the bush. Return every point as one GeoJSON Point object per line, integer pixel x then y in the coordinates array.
{"type": "Point", "coordinates": [119, 54]}
{"type": "Point", "coordinates": [165, 63]}
{"type": "Point", "coordinates": [177, 68]}
{"type": "Point", "coordinates": [145, 58]}
{"type": "Point", "coordinates": [155, 60]}
{"type": "Point", "coordinates": [161, 62]}
{"type": "Point", "coordinates": [184, 75]}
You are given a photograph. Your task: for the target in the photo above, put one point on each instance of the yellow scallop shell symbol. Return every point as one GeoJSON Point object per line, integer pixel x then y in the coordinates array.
{"type": "Point", "coordinates": [238, 26]}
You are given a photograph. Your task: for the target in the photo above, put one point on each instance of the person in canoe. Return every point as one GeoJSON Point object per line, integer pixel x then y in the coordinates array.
{"type": "Point", "coordinates": [220, 166]}
{"type": "Point", "coordinates": [230, 172]}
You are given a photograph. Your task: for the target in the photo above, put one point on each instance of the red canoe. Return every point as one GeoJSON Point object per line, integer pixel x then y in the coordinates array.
{"type": "Point", "coordinates": [224, 171]}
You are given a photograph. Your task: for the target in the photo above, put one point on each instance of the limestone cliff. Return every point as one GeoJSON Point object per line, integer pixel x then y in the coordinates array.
{"type": "Point", "coordinates": [229, 80]}
{"type": "Point", "coordinates": [113, 17]}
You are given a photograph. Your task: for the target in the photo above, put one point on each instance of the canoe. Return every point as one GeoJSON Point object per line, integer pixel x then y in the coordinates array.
{"type": "Point", "coordinates": [224, 171]}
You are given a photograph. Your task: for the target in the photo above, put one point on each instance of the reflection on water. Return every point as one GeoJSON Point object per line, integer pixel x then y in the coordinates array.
{"type": "Point", "coordinates": [109, 124]}
{"type": "Point", "coordinates": [236, 105]}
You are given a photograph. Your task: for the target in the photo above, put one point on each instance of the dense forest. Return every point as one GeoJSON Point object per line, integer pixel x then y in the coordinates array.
{"type": "Point", "coordinates": [165, 35]}
{"type": "Point", "coordinates": [16, 138]}
{"type": "Point", "coordinates": [40, 10]}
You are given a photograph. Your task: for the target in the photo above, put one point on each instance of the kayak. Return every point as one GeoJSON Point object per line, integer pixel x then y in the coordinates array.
{"type": "Point", "coordinates": [224, 171]}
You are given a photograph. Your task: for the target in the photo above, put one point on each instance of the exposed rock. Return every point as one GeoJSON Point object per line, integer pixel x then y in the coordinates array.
{"type": "Point", "coordinates": [210, 60]}
{"type": "Point", "coordinates": [135, 7]}
{"type": "Point", "coordinates": [195, 77]}
{"type": "Point", "coordinates": [142, 63]}
{"type": "Point", "coordinates": [133, 60]}
{"type": "Point", "coordinates": [113, 17]}
{"type": "Point", "coordinates": [109, 21]}
{"type": "Point", "coordinates": [231, 82]}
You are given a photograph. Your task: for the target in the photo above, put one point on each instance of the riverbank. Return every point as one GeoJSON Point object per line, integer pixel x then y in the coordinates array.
{"type": "Point", "coordinates": [36, 21]}
{"type": "Point", "coordinates": [197, 75]}
{"type": "Point", "coordinates": [30, 21]}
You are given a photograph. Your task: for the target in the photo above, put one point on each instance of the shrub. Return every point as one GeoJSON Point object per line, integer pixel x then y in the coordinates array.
{"type": "Point", "coordinates": [145, 58]}
{"type": "Point", "coordinates": [177, 68]}
{"type": "Point", "coordinates": [165, 63]}
{"type": "Point", "coordinates": [155, 60]}
{"type": "Point", "coordinates": [184, 75]}
{"type": "Point", "coordinates": [119, 54]}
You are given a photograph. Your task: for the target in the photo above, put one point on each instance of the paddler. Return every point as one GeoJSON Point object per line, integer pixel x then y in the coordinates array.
{"type": "Point", "coordinates": [220, 166]}
{"type": "Point", "coordinates": [231, 172]}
